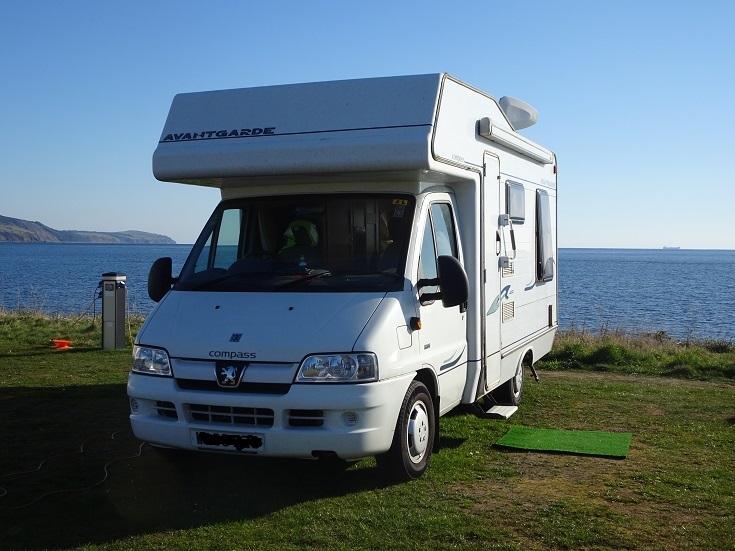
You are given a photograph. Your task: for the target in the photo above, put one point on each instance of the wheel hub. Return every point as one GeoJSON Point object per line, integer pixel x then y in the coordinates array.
{"type": "Point", "coordinates": [418, 432]}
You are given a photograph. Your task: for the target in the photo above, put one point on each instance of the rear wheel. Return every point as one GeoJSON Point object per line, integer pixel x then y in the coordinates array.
{"type": "Point", "coordinates": [413, 439]}
{"type": "Point", "coordinates": [511, 392]}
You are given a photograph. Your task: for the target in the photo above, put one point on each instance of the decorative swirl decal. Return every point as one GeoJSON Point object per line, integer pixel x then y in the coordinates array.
{"type": "Point", "coordinates": [504, 293]}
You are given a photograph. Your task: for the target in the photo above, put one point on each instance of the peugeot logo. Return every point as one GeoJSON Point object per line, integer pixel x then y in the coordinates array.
{"type": "Point", "coordinates": [228, 374]}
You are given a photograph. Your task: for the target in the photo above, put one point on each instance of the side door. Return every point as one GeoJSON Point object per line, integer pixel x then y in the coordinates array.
{"type": "Point", "coordinates": [494, 241]}
{"type": "Point", "coordinates": [443, 333]}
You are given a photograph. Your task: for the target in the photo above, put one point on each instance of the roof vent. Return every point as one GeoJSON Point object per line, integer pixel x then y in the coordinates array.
{"type": "Point", "coordinates": [519, 113]}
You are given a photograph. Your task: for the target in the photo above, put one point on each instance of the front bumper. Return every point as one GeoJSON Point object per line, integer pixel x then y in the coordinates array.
{"type": "Point", "coordinates": [352, 421]}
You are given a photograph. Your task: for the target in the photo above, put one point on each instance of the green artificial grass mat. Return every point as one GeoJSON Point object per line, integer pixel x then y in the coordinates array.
{"type": "Point", "coordinates": [606, 444]}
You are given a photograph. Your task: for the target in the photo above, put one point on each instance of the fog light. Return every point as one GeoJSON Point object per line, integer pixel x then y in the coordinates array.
{"type": "Point", "coordinates": [134, 406]}
{"type": "Point", "coordinates": [350, 418]}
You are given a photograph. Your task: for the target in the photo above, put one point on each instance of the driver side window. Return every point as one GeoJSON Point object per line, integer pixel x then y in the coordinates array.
{"type": "Point", "coordinates": [439, 240]}
{"type": "Point", "coordinates": [427, 262]}
{"type": "Point", "coordinates": [446, 242]}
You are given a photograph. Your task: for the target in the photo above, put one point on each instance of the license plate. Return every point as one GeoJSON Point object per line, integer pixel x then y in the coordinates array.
{"type": "Point", "coordinates": [246, 443]}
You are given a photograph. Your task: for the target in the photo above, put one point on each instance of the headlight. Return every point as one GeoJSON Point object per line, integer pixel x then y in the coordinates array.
{"type": "Point", "coordinates": [338, 368]}
{"type": "Point", "coordinates": [151, 361]}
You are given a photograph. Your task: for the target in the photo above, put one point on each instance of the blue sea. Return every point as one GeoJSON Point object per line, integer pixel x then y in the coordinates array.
{"type": "Point", "coordinates": [61, 278]}
{"type": "Point", "coordinates": [685, 293]}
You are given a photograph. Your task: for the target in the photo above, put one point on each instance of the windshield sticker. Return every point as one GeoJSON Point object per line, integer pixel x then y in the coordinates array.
{"type": "Point", "coordinates": [400, 207]}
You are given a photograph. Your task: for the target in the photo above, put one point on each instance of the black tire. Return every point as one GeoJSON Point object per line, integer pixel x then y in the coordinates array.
{"type": "Point", "coordinates": [511, 392]}
{"type": "Point", "coordinates": [413, 439]}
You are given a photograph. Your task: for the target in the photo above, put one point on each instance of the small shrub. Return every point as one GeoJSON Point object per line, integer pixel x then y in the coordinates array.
{"type": "Point", "coordinates": [682, 371]}
{"type": "Point", "coordinates": [613, 354]}
{"type": "Point", "coordinates": [719, 347]}
{"type": "Point", "coordinates": [574, 353]}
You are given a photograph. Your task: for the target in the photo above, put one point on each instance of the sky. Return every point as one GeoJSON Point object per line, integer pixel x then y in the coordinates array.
{"type": "Point", "coordinates": [635, 97]}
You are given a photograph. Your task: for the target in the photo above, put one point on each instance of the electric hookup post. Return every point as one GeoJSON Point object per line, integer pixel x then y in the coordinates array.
{"type": "Point", "coordinates": [114, 300]}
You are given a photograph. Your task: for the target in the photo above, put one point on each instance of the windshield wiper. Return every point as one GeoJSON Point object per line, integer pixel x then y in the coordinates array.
{"type": "Point", "coordinates": [307, 277]}
{"type": "Point", "coordinates": [392, 274]}
{"type": "Point", "coordinates": [215, 281]}
{"type": "Point", "coordinates": [371, 273]}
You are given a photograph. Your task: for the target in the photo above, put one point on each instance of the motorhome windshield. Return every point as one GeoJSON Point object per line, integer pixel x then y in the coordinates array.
{"type": "Point", "coordinates": [305, 243]}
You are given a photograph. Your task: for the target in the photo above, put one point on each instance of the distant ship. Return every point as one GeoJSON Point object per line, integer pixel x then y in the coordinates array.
{"type": "Point", "coordinates": [672, 248]}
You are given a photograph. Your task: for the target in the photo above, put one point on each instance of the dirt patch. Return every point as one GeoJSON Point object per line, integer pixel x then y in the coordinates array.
{"type": "Point", "coordinates": [558, 489]}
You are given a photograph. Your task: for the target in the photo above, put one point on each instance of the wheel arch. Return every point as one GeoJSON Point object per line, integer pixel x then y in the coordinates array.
{"type": "Point", "coordinates": [526, 359]}
{"type": "Point", "coordinates": [429, 380]}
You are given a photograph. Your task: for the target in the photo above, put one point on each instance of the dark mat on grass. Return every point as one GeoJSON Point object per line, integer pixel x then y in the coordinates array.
{"type": "Point", "coordinates": [606, 444]}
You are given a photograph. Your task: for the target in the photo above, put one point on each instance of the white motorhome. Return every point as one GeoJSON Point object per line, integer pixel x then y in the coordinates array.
{"type": "Point", "coordinates": [384, 251]}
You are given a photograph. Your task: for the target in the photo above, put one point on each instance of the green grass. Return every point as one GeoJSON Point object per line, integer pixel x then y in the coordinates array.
{"type": "Point", "coordinates": [655, 354]}
{"type": "Point", "coordinates": [100, 489]}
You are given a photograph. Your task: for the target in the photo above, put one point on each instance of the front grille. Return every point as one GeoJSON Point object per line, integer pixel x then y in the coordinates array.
{"type": "Point", "coordinates": [245, 388]}
{"type": "Point", "coordinates": [227, 415]}
{"type": "Point", "coordinates": [167, 409]}
{"type": "Point", "coordinates": [306, 418]}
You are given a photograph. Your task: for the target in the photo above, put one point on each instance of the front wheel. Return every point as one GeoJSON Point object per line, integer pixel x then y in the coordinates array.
{"type": "Point", "coordinates": [413, 439]}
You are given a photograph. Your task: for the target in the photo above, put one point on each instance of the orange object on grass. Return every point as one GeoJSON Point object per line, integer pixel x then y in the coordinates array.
{"type": "Point", "coordinates": [61, 344]}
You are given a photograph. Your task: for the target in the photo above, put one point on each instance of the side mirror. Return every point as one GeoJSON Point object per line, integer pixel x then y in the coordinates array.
{"type": "Point", "coordinates": [455, 287]}
{"type": "Point", "coordinates": [160, 279]}
{"type": "Point", "coordinates": [453, 281]}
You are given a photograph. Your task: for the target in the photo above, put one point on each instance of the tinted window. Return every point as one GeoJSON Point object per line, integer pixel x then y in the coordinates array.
{"type": "Point", "coordinates": [544, 245]}
{"type": "Point", "coordinates": [515, 202]}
